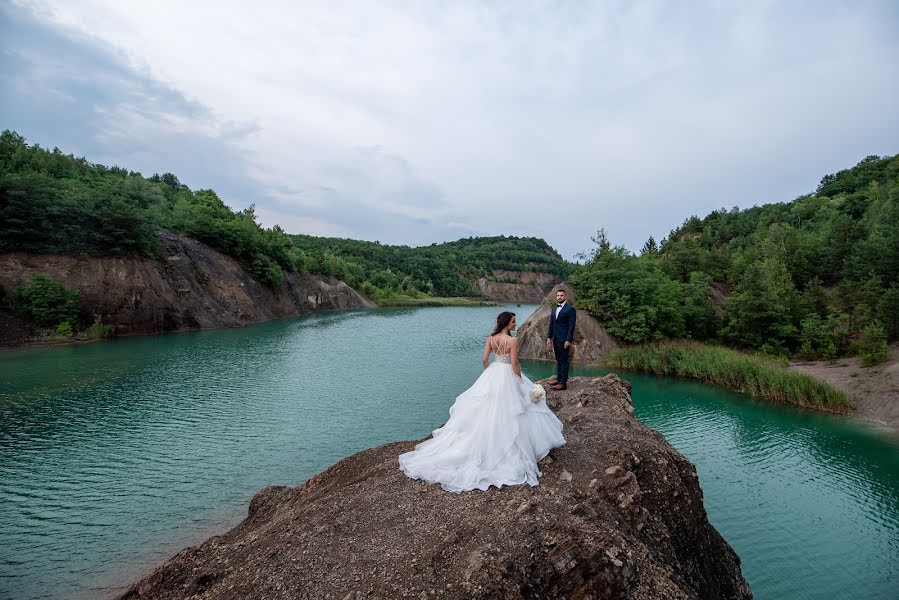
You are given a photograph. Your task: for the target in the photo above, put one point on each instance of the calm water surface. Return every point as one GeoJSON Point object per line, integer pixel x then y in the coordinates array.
{"type": "Point", "coordinates": [114, 456]}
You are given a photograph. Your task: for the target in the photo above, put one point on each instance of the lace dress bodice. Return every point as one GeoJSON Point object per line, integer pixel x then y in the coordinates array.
{"type": "Point", "coordinates": [500, 356]}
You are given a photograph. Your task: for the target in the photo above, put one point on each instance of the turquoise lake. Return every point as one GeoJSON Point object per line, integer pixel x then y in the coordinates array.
{"type": "Point", "coordinates": [115, 455]}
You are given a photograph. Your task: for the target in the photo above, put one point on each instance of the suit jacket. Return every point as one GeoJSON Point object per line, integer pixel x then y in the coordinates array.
{"type": "Point", "coordinates": [562, 328]}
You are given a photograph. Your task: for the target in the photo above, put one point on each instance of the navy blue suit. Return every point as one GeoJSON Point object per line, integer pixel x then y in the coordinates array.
{"type": "Point", "coordinates": [561, 330]}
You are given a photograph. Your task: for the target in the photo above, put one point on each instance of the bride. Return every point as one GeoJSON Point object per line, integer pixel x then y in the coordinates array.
{"type": "Point", "coordinates": [495, 434]}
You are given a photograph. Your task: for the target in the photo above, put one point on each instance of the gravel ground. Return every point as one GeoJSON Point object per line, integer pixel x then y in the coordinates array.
{"type": "Point", "coordinates": [874, 390]}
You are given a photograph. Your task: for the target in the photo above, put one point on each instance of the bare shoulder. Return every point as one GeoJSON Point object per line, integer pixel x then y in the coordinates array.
{"type": "Point", "coordinates": [513, 340]}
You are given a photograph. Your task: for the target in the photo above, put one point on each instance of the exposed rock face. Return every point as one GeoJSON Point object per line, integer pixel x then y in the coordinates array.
{"type": "Point", "coordinates": [591, 340]}
{"type": "Point", "coordinates": [718, 292]}
{"type": "Point", "coordinates": [618, 514]}
{"type": "Point", "coordinates": [14, 331]}
{"type": "Point", "coordinates": [192, 287]}
{"type": "Point", "coordinates": [529, 287]}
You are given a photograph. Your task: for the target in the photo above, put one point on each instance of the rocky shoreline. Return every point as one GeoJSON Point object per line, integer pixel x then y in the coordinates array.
{"type": "Point", "coordinates": [618, 514]}
{"type": "Point", "coordinates": [191, 287]}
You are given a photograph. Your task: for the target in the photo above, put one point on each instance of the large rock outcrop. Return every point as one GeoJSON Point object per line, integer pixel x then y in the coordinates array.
{"type": "Point", "coordinates": [191, 287]}
{"type": "Point", "coordinates": [618, 514]}
{"type": "Point", "coordinates": [591, 340]}
{"type": "Point", "coordinates": [516, 286]}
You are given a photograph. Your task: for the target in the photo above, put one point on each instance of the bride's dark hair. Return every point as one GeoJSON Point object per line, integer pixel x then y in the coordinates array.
{"type": "Point", "coordinates": [502, 320]}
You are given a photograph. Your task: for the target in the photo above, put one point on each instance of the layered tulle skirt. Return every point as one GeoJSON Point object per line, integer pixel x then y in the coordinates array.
{"type": "Point", "coordinates": [495, 436]}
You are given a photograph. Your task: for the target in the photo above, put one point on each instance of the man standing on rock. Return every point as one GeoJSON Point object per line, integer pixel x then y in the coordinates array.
{"type": "Point", "coordinates": [560, 336]}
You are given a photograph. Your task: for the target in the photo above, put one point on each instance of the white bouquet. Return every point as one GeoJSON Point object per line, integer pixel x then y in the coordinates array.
{"type": "Point", "coordinates": [538, 393]}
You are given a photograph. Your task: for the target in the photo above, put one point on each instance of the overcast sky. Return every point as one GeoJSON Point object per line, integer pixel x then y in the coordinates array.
{"type": "Point", "coordinates": [420, 122]}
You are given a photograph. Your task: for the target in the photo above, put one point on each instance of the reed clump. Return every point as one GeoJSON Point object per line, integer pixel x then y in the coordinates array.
{"type": "Point", "coordinates": [758, 375]}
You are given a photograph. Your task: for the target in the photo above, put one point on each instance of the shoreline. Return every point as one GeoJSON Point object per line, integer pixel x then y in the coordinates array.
{"type": "Point", "coordinates": [49, 342]}
{"type": "Point", "coordinates": [436, 302]}
{"type": "Point", "coordinates": [757, 375]}
{"type": "Point", "coordinates": [874, 390]}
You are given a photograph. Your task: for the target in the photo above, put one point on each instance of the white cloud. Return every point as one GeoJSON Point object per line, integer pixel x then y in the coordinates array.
{"type": "Point", "coordinates": [292, 223]}
{"type": "Point", "coordinates": [539, 119]}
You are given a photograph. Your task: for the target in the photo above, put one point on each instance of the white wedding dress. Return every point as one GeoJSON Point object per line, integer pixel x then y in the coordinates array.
{"type": "Point", "coordinates": [495, 435]}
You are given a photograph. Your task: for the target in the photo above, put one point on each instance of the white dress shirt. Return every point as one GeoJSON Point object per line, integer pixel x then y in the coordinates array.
{"type": "Point", "coordinates": [559, 308]}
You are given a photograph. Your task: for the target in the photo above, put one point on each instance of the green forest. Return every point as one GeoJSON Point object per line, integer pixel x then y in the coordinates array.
{"type": "Point", "coordinates": [444, 270]}
{"type": "Point", "coordinates": [52, 202]}
{"type": "Point", "coordinates": [817, 277]}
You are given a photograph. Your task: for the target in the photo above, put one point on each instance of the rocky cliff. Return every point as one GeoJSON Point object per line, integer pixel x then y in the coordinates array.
{"type": "Point", "coordinates": [618, 514]}
{"type": "Point", "coordinates": [191, 287]}
{"type": "Point", "coordinates": [516, 286]}
{"type": "Point", "coordinates": [591, 340]}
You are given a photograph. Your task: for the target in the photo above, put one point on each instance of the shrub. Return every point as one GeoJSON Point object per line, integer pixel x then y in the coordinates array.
{"type": "Point", "coordinates": [817, 339]}
{"type": "Point", "coordinates": [98, 330]}
{"type": "Point", "coordinates": [46, 302]}
{"type": "Point", "coordinates": [872, 347]}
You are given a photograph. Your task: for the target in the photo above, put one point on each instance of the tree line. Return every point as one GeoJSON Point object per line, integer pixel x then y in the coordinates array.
{"type": "Point", "coordinates": [446, 270]}
{"type": "Point", "coordinates": [55, 203]}
{"type": "Point", "coordinates": [817, 277]}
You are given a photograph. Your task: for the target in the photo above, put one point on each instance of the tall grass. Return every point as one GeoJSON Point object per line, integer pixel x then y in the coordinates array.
{"type": "Point", "coordinates": [97, 331]}
{"type": "Point", "coordinates": [754, 374]}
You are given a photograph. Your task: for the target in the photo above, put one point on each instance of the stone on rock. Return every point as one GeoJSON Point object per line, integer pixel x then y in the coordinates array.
{"type": "Point", "coordinates": [591, 340]}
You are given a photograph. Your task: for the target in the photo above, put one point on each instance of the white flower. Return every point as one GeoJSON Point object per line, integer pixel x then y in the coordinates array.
{"type": "Point", "coordinates": [538, 393]}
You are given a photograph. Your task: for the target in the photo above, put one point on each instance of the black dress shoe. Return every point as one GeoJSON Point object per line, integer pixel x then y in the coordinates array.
{"type": "Point", "coordinates": [560, 386]}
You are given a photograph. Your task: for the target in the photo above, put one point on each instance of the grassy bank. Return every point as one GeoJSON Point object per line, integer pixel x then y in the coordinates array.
{"type": "Point", "coordinates": [754, 374]}
{"type": "Point", "coordinates": [433, 301]}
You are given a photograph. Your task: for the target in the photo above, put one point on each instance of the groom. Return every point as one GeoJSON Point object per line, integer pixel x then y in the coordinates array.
{"type": "Point", "coordinates": [560, 336]}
